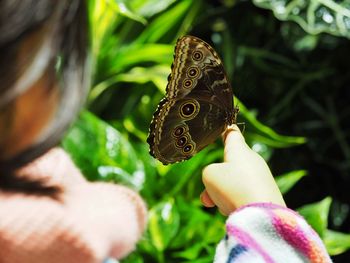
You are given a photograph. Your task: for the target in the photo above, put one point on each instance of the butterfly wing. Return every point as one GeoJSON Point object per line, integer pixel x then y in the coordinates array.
{"type": "Point", "coordinates": [198, 104]}
{"type": "Point", "coordinates": [185, 127]}
{"type": "Point", "coordinates": [194, 55]}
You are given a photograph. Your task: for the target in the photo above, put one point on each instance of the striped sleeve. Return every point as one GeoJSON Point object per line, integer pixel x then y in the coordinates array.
{"type": "Point", "coordinates": [265, 232]}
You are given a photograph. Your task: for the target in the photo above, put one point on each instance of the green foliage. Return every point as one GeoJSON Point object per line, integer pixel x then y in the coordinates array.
{"type": "Point", "coordinates": [164, 221]}
{"type": "Point", "coordinates": [103, 153]}
{"type": "Point", "coordinates": [286, 181]}
{"type": "Point", "coordinates": [314, 16]}
{"type": "Point", "coordinates": [336, 242]}
{"type": "Point", "coordinates": [316, 214]}
{"type": "Point", "coordinates": [281, 71]}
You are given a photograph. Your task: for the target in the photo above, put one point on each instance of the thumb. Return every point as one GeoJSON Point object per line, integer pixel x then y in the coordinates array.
{"type": "Point", "coordinates": [234, 143]}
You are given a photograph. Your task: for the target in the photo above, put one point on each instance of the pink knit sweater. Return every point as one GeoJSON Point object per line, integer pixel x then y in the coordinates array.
{"type": "Point", "coordinates": [93, 221]}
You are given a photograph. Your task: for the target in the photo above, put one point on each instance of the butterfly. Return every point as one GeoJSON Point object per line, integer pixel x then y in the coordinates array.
{"type": "Point", "coordinates": [198, 105]}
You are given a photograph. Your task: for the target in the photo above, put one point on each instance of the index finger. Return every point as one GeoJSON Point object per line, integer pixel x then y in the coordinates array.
{"type": "Point", "coordinates": [234, 142]}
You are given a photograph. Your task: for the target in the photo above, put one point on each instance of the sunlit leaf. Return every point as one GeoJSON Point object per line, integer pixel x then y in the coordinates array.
{"type": "Point", "coordinates": [157, 74]}
{"type": "Point", "coordinates": [135, 54]}
{"type": "Point", "coordinates": [104, 15]}
{"type": "Point", "coordinates": [286, 181]}
{"type": "Point", "coordinates": [163, 224]}
{"type": "Point", "coordinates": [132, 259]}
{"type": "Point", "coordinates": [207, 259]}
{"type": "Point", "coordinates": [315, 16]}
{"type": "Point", "coordinates": [178, 175]}
{"type": "Point", "coordinates": [190, 253]}
{"type": "Point", "coordinates": [316, 215]}
{"type": "Point", "coordinates": [162, 24]}
{"type": "Point", "coordinates": [265, 134]}
{"type": "Point", "coordinates": [263, 149]}
{"type": "Point", "coordinates": [123, 9]}
{"type": "Point", "coordinates": [102, 153]}
{"type": "Point", "coordinates": [336, 242]}
{"type": "Point", "coordinates": [195, 222]}
{"type": "Point", "coordinates": [151, 7]}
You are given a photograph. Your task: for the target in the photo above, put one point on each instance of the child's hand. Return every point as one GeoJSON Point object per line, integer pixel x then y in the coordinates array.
{"type": "Point", "coordinates": [242, 178]}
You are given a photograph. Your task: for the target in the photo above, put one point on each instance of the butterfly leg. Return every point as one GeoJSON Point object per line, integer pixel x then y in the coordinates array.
{"type": "Point", "coordinates": [243, 126]}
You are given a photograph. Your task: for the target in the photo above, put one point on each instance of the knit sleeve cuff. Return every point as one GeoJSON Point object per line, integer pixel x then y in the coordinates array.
{"type": "Point", "coordinates": [269, 233]}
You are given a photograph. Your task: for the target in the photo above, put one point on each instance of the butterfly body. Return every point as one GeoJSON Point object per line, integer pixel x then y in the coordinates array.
{"type": "Point", "coordinates": [198, 104]}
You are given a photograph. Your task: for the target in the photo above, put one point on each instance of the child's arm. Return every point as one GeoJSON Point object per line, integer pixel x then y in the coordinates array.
{"type": "Point", "coordinates": [260, 228]}
{"type": "Point", "coordinates": [88, 223]}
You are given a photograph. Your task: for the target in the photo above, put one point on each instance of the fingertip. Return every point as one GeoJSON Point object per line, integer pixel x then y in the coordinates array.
{"type": "Point", "coordinates": [233, 141]}
{"type": "Point", "coordinates": [206, 200]}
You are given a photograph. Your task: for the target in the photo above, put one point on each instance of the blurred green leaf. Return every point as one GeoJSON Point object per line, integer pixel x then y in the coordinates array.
{"type": "Point", "coordinates": [260, 147]}
{"type": "Point", "coordinates": [207, 259]}
{"type": "Point", "coordinates": [151, 7]}
{"type": "Point", "coordinates": [122, 8]}
{"type": "Point", "coordinates": [315, 16]}
{"type": "Point", "coordinates": [164, 222]}
{"type": "Point", "coordinates": [264, 134]}
{"type": "Point", "coordinates": [176, 177]}
{"type": "Point", "coordinates": [286, 181]}
{"type": "Point", "coordinates": [197, 225]}
{"type": "Point", "coordinates": [135, 54]}
{"type": "Point", "coordinates": [103, 15]}
{"type": "Point", "coordinates": [336, 242]}
{"type": "Point", "coordinates": [167, 21]}
{"type": "Point", "coordinates": [157, 74]}
{"type": "Point", "coordinates": [102, 153]}
{"type": "Point", "coordinates": [190, 253]}
{"type": "Point", "coordinates": [298, 39]}
{"type": "Point", "coordinates": [316, 215]}
{"type": "Point", "coordinates": [132, 258]}
{"type": "Point", "coordinates": [308, 42]}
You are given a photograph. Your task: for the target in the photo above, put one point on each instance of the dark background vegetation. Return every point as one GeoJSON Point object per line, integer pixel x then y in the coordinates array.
{"type": "Point", "coordinates": [288, 63]}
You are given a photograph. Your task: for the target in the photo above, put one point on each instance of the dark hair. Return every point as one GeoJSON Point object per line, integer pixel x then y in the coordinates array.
{"type": "Point", "coordinates": [43, 72]}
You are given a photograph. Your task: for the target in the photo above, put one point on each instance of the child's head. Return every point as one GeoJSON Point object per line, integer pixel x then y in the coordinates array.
{"type": "Point", "coordinates": [43, 74]}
